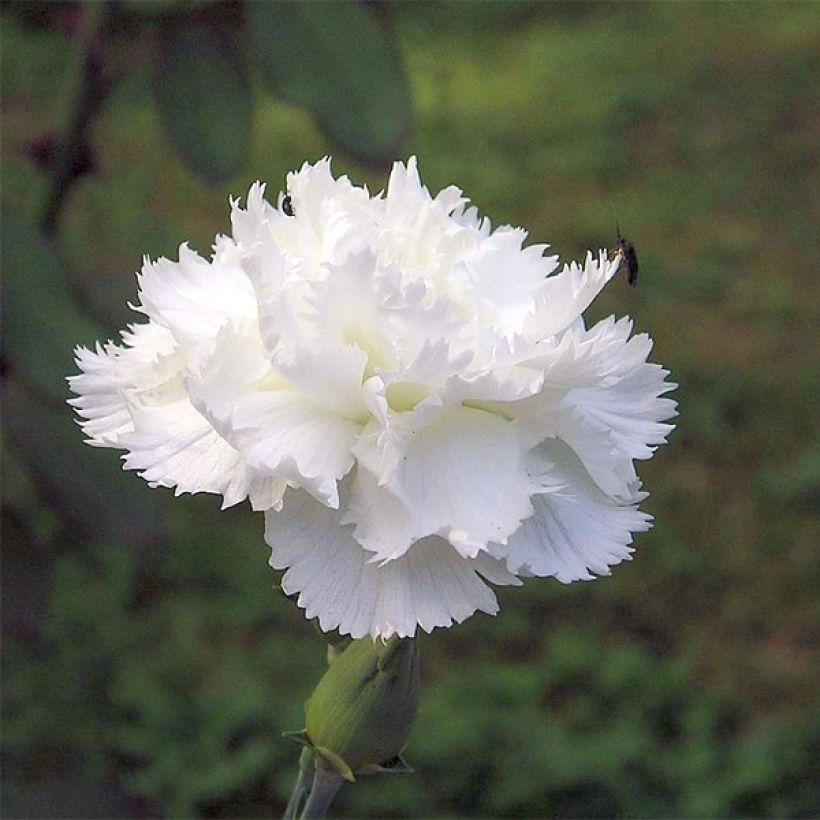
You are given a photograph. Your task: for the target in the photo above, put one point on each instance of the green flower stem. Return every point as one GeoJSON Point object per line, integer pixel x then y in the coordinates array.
{"type": "Point", "coordinates": [326, 782]}
{"type": "Point", "coordinates": [301, 791]}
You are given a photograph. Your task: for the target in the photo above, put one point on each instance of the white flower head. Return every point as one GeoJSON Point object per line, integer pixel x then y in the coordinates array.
{"type": "Point", "coordinates": [412, 398]}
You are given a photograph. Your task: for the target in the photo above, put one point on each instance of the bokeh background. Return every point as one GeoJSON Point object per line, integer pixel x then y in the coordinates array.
{"type": "Point", "coordinates": [150, 665]}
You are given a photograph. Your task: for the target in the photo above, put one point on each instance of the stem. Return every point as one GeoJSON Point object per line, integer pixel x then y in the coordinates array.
{"type": "Point", "coordinates": [301, 791]}
{"type": "Point", "coordinates": [82, 96]}
{"type": "Point", "coordinates": [325, 785]}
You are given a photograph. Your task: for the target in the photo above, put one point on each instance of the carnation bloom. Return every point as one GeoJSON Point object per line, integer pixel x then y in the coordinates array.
{"type": "Point", "coordinates": [412, 398]}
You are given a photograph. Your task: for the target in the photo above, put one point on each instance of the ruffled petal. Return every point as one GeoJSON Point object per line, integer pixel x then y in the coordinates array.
{"type": "Point", "coordinates": [338, 583]}
{"type": "Point", "coordinates": [382, 521]}
{"type": "Point", "coordinates": [599, 395]}
{"type": "Point", "coordinates": [259, 256]}
{"type": "Point", "coordinates": [565, 296]}
{"type": "Point", "coordinates": [611, 469]}
{"type": "Point", "coordinates": [377, 309]}
{"type": "Point", "coordinates": [576, 529]}
{"type": "Point", "coordinates": [112, 373]}
{"type": "Point", "coordinates": [296, 420]}
{"type": "Point", "coordinates": [100, 401]}
{"type": "Point", "coordinates": [284, 435]}
{"type": "Point", "coordinates": [236, 365]}
{"type": "Point", "coordinates": [133, 397]}
{"type": "Point", "coordinates": [253, 226]}
{"type": "Point", "coordinates": [506, 278]}
{"type": "Point", "coordinates": [618, 413]}
{"type": "Point", "coordinates": [627, 399]}
{"type": "Point", "coordinates": [462, 477]}
{"type": "Point", "coordinates": [416, 231]}
{"type": "Point", "coordinates": [193, 298]}
{"type": "Point", "coordinates": [172, 445]}
{"type": "Point", "coordinates": [332, 218]}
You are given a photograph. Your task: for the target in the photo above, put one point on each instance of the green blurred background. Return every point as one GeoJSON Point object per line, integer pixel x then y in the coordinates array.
{"type": "Point", "coordinates": [149, 665]}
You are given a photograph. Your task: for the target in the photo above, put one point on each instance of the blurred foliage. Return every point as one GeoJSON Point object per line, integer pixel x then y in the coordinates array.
{"type": "Point", "coordinates": [149, 667]}
{"type": "Point", "coordinates": [203, 97]}
{"type": "Point", "coordinates": [44, 290]}
{"type": "Point", "coordinates": [352, 80]}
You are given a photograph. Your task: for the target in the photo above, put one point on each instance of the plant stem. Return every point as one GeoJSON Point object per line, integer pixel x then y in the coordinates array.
{"type": "Point", "coordinates": [301, 791]}
{"type": "Point", "coordinates": [322, 791]}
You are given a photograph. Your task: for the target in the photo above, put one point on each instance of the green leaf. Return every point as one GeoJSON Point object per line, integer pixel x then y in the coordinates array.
{"type": "Point", "coordinates": [41, 320]}
{"type": "Point", "coordinates": [336, 59]}
{"type": "Point", "coordinates": [202, 93]}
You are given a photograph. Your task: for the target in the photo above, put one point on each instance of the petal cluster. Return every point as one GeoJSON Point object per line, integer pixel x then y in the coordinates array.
{"type": "Point", "coordinates": [412, 398]}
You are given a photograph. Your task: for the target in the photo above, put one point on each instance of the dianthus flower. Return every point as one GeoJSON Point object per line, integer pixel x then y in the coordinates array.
{"type": "Point", "coordinates": [412, 398]}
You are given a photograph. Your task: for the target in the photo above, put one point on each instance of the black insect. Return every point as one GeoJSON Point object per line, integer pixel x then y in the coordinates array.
{"type": "Point", "coordinates": [287, 206]}
{"type": "Point", "coordinates": [630, 259]}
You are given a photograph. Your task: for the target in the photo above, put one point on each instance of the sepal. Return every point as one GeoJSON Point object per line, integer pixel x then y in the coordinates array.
{"type": "Point", "coordinates": [336, 763]}
{"type": "Point", "coordinates": [397, 765]}
{"type": "Point", "coordinates": [359, 717]}
{"type": "Point", "coordinates": [300, 738]}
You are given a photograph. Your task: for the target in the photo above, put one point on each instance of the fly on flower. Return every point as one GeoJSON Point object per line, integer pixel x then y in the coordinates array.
{"type": "Point", "coordinates": [626, 250]}
{"type": "Point", "coordinates": [412, 397]}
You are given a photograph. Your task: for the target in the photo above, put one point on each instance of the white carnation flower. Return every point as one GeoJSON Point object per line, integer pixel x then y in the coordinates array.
{"type": "Point", "coordinates": [413, 399]}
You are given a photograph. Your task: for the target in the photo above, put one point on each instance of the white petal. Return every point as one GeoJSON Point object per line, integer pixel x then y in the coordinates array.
{"type": "Point", "coordinates": [253, 225]}
{"type": "Point", "coordinates": [626, 399]}
{"type": "Point", "coordinates": [193, 298]}
{"type": "Point", "coordinates": [576, 529]}
{"type": "Point", "coordinates": [332, 218]}
{"type": "Point", "coordinates": [462, 477]}
{"type": "Point", "coordinates": [282, 434]}
{"type": "Point", "coordinates": [506, 278]}
{"type": "Point", "coordinates": [600, 396]}
{"type": "Point", "coordinates": [567, 295]}
{"type": "Point", "coordinates": [611, 469]}
{"type": "Point", "coordinates": [236, 365]}
{"type": "Point", "coordinates": [382, 522]}
{"type": "Point", "coordinates": [417, 231]}
{"type": "Point", "coordinates": [260, 257]}
{"type": "Point", "coordinates": [303, 431]}
{"type": "Point", "coordinates": [617, 414]}
{"type": "Point", "coordinates": [389, 317]}
{"type": "Point", "coordinates": [113, 374]}
{"type": "Point", "coordinates": [329, 376]}
{"type": "Point", "coordinates": [470, 218]}
{"type": "Point", "coordinates": [297, 420]}
{"type": "Point", "coordinates": [404, 188]}
{"type": "Point", "coordinates": [172, 445]}
{"type": "Point", "coordinates": [430, 586]}
{"type": "Point", "coordinates": [100, 400]}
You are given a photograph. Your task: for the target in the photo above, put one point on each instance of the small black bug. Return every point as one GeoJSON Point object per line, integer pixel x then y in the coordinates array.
{"type": "Point", "coordinates": [287, 206]}
{"type": "Point", "coordinates": [627, 251]}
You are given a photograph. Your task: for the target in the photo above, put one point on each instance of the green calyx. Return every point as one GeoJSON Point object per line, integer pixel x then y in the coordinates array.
{"type": "Point", "coordinates": [360, 715]}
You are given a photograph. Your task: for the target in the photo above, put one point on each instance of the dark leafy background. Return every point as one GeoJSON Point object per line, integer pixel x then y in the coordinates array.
{"type": "Point", "coordinates": [150, 665]}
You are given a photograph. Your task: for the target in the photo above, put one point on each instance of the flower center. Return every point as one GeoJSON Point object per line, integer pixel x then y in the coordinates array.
{"type": "Point", "coordinates": [377, 354]}
{"type": "Point", "coordinates": [406, 395]}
